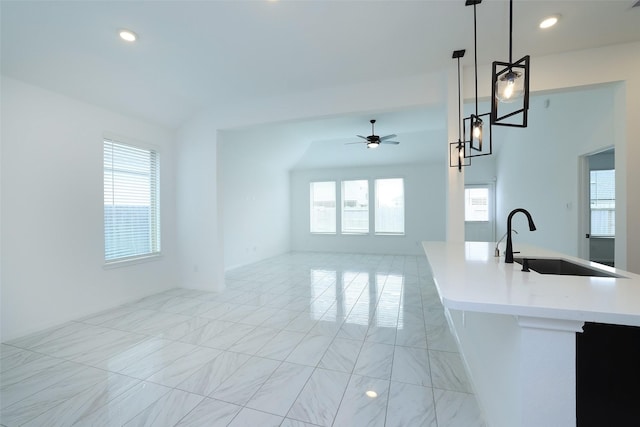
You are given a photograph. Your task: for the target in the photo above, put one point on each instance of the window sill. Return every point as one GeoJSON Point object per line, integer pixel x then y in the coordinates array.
{"type": "Point", "coordinates": [389, 234]}
{"type": "Point", "coordinates": [132, 261]}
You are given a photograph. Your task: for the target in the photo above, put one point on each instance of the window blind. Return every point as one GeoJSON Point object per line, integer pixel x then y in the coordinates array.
{"type": "Point", "coordinates": [131, 202]}
{"type": "Point", "coordinates": [603, 203]}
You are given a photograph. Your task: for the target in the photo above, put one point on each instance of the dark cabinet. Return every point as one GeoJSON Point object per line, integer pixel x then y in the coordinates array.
{"type": "Point", "coordinates": [608, 375]}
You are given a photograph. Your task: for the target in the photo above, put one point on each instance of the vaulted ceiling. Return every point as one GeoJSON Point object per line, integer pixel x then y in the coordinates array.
{"type": "Point", "coordinates": [192, 54]}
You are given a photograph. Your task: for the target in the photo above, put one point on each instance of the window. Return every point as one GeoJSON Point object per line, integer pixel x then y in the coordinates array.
{"type": "Point", "coordinates": [476, 204]}
{"type": "Point", "coordinates": [355, 206]}
{"type": "Point", "coordinates": [323, 207]}
{"type": "Point", "coordinates": [603, 203]}
{"type": "Point", "coordinates": [389, 208]}
{"type": "Point", "coordinates": [131, 202]}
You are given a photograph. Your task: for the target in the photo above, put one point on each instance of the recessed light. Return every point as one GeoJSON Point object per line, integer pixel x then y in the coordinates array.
{"type": "Point", "coordinates": [372, 394]}
{"type": "Point", "coordinates": [127, 35]}
{"type": "Point", "coordinates": [549, 21]}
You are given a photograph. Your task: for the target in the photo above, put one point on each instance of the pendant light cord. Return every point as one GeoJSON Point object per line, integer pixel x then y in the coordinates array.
{"type": "Point", "coordinates": [459, 106]}
{"type": "Point", "coordinates": [510, 32]}
{"type": "Point", "coordinates": [475, 54]}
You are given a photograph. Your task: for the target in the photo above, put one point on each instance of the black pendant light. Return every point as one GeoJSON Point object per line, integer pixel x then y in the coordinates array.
{"type": "Point", "coordinates": [475, 125]}
{"type": "Point", "coordinates": [510, 87]}
{"type": "Point", "coordinates": [457, 150]}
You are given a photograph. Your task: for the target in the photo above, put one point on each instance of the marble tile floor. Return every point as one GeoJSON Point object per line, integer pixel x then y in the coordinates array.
{"type": "Point", "coordinates": [303, 339]}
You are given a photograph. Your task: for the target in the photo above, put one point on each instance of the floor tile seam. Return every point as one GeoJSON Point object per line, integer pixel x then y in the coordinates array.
{"type": "Point", "coordinates": [302, 389]}
{"type": "Point", "coordinates": [468, 393]}
{"type": "Point", "coordinates": [445, 351]}
{"type": "Point", "coordinates": [177, 386]}
{"type": "Point", "coordinates": [169, 389]}
{"type": "Point", "coordinates": [3, 355]}
{"type": "Point", "coordinates": [194, 408]}
{"type": "Point", "coordinates": [151, 337]}
{"type": "Point", "coordinates": [386, 406]}
{"type": "Point", "coordinates": [281, 362]}
{"type": "Point", "coordinates": [51, 386]}
{"type": "Point", "coordinates": [236, 341]}
{"type": "Point", "coordinates": [227, 377]}
{"type": "Point", "coordinates": [101, 325]}
{"type": "Point", "coordinates": [53, 329]}
{"type": "Point", "coordinates": [111, 397]}
{"type": "Point", "coordinates": [356, 359]}
{"type": "Point", "coordinates": [61, 359]}
{"type": "Point", "coordinates": [84, 367]}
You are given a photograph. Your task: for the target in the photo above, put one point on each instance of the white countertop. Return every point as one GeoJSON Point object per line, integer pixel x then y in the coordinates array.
{"type": "Point", "coordinates": [470, 278]}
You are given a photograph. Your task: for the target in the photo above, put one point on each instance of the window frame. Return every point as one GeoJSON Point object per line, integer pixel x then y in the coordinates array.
{"type": "Point", "coordinates": [342, 208]}
{"type": "Point", "coordinates": [593, 209]}
{"type": "Point", "coordinates": [375, 208]}
{"type": "Point", "coordinates": [311, 207]}
{"type": "Point", "coordinates": [489, 203]}
{"type": "Point", "coordinates": [155, 206]}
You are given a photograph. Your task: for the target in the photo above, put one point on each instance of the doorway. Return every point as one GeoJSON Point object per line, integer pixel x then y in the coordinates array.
{"type": "Point", "coordinates": [479, 213]}
{"type": "Point", "coordinates": [600, 206]}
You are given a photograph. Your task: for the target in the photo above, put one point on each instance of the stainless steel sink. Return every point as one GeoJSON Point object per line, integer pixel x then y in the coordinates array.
{"type": "Point", "coordinates": [561, 266]}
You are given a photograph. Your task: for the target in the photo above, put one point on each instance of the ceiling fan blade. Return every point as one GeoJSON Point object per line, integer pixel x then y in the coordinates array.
{"type": "Point", "coordinates": [357, 142]}
{"type": "Point", "coordinates": [393, 135]}
{"type": "Point", "coordinates": [360, 136]}
{"type": "Point", "coordinates": [390, 142]}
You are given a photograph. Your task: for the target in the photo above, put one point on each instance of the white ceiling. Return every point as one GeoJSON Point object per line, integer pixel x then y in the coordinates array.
{"type": "Point", "coordinates": [192, 54]}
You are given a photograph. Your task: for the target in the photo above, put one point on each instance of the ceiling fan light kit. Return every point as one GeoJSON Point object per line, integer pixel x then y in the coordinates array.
{"type": "Point", "coordinates": [373, 140]}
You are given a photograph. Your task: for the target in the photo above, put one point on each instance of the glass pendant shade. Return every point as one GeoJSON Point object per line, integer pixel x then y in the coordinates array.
{"type": "Point", "coordinates": [458, 151]}
{"type": "Point", "coordinates": [510, 93]}
{"type": "Point", "coordinates": [458, 155]}
{"type": "Point", "coordinates": [477, 131]}
{"type": "Point", "coordinates": [509, 86]}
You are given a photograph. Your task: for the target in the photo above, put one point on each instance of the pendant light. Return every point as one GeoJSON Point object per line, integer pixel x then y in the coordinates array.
{"type": "Point", "coordinates": [510, 87]}
{"type": "Point", "coordinates": [457, 150]}
{"type": "Point", "coordinates": [478, 130]}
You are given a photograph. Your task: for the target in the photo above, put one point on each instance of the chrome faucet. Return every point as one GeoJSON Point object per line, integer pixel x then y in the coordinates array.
{"type": "Point", "coordinates": [508, 253]}
{"type": "Point", "coordinates": [497, 251]}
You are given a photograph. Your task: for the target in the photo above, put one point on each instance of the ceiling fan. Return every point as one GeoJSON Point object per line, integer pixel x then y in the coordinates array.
{"type": "Point", "coordinates": [373, 140]}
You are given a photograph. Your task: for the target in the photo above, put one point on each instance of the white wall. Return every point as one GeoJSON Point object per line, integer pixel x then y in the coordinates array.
{"type": "Point", "coordinates": [620, 65]}
{"type": "Point", "coordinates": [52, 211]}
{"type": "Point", "coordinates": [255, 195]}
{"type": "Point", "coordinates": [538, 167]}
{"type": "Point", "coordinates": [201, 227]}
{"type": "Point", "coordinates": [481, 171]}
{"type": "Point", "coordinates": [425, 191]}
{"type": "Point", "coordinates": [198, 140]}
{"type": "Point", "coordinates": [198, 208]}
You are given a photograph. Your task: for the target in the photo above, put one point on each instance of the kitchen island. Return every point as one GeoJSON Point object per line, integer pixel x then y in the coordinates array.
{"type": "Point", "coordinates": [517, 330]}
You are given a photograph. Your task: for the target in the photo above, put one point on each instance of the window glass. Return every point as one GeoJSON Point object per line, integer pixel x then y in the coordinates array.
{"type": "Point", "coordinates": [323, 207]}
{"type": "Point", "coordinates": [603, 202]}
{"type": "Point", "coordinates": [355, 206]}
{"type": "Point", "coordinates": [389, 209]}
{"type": "Point", "coordinates": [476, 204]}
{"type": "Point", "coordinates": [131, 202]}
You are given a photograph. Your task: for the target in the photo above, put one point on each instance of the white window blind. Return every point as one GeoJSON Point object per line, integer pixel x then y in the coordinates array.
{"type": "Point", "coordinates": [131, 202]}
{"type": "Point", "coordinates": [389, 209]}
{"type": "Point", "coordinates": [603, 203]}
{"type": "Point", "coordinates": [476, 204]}
{"type": "Point", "coordinates": [355, 206]}
{"type": "Point", "coordinates": [323, 207]}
